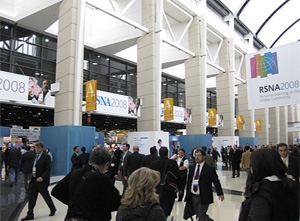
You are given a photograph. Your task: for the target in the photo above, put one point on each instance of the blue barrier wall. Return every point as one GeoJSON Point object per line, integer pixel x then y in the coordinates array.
{"type": "Point", "coordinates": [99, 136]}
{"type": "Point", "coordinates": [61, 140]}
{"type": "Point", "coordinates": [4, 131]}
{"type": "Point", "coordinates": [248, 140]}
{"type": "Point", "coordinates": [188, 142]}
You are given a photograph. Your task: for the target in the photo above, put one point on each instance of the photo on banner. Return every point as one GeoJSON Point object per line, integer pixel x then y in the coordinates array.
{"type": "Point", "coordinates": [39, 91]}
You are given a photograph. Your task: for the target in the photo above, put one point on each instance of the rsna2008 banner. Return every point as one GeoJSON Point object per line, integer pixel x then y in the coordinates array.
{"type": "Point", "coordinates": [273, 77]}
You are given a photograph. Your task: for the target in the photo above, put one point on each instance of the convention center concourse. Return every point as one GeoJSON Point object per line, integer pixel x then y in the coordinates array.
{"type": "Point", "coordinates": [191, 87]}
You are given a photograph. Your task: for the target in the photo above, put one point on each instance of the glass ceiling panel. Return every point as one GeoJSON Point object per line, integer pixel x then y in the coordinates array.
{"type": "Point", "coordinates": [292, 35]}
{"type": "Point", "coordinates": [286, 16]}
{"type": "Point", "coordinates": [257, 11]}
{"type": "Point", "coordinates": [234, 6]}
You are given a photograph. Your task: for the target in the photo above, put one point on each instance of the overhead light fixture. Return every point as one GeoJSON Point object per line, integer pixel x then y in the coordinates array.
{"type": "Point", "coordinates": [6, 27]}
{"type": "Point", "coordinates": [98, 56]}
{"type": "Point", "coordinates": [107, 59]}
{"type": "Point", "coordinates": [94, 63]}
{"type": "Point", "coordinates": [46, 40]}
{"type": "Point", "coordinates": [131, 74]}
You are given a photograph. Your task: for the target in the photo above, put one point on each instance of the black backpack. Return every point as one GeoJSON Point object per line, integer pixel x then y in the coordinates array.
{"type": "Point", "coordinates": [140, 216]}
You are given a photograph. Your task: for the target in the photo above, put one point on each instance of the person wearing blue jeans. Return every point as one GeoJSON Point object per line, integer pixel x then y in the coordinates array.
{"type": "Point", "coordinates": [14, 156]}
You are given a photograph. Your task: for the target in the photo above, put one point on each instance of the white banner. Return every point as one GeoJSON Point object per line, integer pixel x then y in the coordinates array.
{"type": "Point", "coordinates": [273, 77]}
{"type": "Point", "coordinates": [26, 90]}
{"type": "Point", "coordinates": [24, 132]}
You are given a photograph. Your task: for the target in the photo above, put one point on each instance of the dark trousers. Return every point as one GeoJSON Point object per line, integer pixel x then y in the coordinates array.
{"type": "Point", "coordinates": [200, 209]}
{"type": "Point", "coordinates": [237, 172]}
{"type": "Point", "coordinates": [181, 186]}
{"type": "Point", "coordinates": [33, 190]}
{"type": "Point", "coordinates": [166, 202]}
{"type": "Point", "coordinates": [27, 177]}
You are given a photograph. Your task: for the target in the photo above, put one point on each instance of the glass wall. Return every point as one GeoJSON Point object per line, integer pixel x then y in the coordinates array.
{"type": "Point", "coordinates": [27, 52]}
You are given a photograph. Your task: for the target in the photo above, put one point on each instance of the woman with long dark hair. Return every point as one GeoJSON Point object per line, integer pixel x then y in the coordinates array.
{"type": "Point", "coordinates": [271, 194]}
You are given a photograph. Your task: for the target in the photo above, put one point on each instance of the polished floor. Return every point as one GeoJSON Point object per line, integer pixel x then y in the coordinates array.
{"type": "Point", "coordinates": [14, 204]}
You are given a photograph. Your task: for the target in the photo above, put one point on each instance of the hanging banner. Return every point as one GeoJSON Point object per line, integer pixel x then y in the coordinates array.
{"type": "Point", "coordinates": [25, 90]}
{"type": "Point", "coordinates": [239, 122]}
{"type": "Point", "coordinates": [168, 109]}
{"type": "Point", "coordinates": [212, 117]}
{"type": "Point", "coordinates": [91, 95]}
{"type": "Point", "coordinates": [258, 125]}
{"type": "Point", "coordinates": [273, 77]}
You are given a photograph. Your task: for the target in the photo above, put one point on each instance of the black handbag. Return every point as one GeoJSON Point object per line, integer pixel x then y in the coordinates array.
{"type": "Point", "coordinates": [169, 181]}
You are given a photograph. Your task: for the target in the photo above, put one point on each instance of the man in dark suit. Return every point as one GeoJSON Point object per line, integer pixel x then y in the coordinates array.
{"type": "Point", "coordinates": [121, 171]}
{"type": "Point", "coordinates": [199, 186]}
{"type": "Point", "coordinates": [166, 198]}
{"type": "Point", "coordinates": [92, 194]}
{"type": "Point", "coordinates": [74, 159]}
{"type": "Point", "coordinates": [26, 166]}
{"type": "Point", "coordinates": [235, 156]}
{"type": "Point", "coordinates": [14, 165]}
{"type": "Point", "coordinates": [291, 162]}
{"type": "Point", "coordinates": [83, 159]}
{"type": "Point", "coordinates": [146, 161]}
{"type": "Point", "coordinates": [112, 170]}
{"type": "Point", "coordinates": [40, 181]}
{"type": "Point", "coordinates": [133, 161]}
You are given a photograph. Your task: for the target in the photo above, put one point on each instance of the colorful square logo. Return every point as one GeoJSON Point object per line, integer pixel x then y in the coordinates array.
{"type": "Point", "coordinates": [262, 65]}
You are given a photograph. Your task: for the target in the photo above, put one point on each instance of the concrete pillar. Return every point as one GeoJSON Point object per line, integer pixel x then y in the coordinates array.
{"type": "Point", "coordinates": [274, 125]}
{"type": "Point", "coordinates": [283, 128]}
{"type": "Point", "coordinates": [296, 119]}
{"type": "Point", "coordinates": [248, 115]}
{"type": "Point", "coordinates": [69, 63]}
{"type": "Point", "coordinates": [262, 136]}
{"type": "Point", "coordinates": [195, 77]}
{"type": "Point", "coordinates": [291, 118]}
{"type": "Point", "coordinates": [149, 67]}
{"type": "Point", "coordinates": [225, 88]}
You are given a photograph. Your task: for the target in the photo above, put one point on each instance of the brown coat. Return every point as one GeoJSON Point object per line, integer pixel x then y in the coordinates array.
{"type": "Point", "coordinates": [246, 159]}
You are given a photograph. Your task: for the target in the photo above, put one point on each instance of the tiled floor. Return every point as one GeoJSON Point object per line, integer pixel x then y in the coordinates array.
{"type": "Point", "coordinates": [227, 210]}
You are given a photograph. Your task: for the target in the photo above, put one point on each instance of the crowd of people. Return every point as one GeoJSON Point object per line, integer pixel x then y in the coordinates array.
{"type": "Point", "coordinates": [152, 182]}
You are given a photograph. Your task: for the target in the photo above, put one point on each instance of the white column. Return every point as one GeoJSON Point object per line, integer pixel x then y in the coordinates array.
{"type": "Point", "coordinates": [69, 71]}
{"type": "Point", "coordinates": [274, 125]}
{"type": "Point", "coordinates": [248, 115]}
{"type": "Point", "coordinates": [225, 88]}
{"type": "Point", "coordinates": [291, 118]}
{"type": "Point", "coordinates": [149, 67]}
{"type": "Point", "coordinates": [195, 77]}
{"type": "Point", "coordinates": [283, 128]}
{"type": "Point", "coordinates": [262, 136]}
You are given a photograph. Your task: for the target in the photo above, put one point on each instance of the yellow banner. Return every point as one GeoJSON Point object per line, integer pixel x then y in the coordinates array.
{"type": "Point", "coordinates": [168, 109]}
{"type": "Point", "coordinates": [258, 125]}
{"type": "Point", "coordinates": [212, 117]}
{"type": "Point", "coordinates": [239, 122]}
{"type": "Point", "coordinates": [91, 95]}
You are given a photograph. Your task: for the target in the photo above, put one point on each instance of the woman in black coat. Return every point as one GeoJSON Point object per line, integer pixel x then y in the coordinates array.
{"type": "Point", "coordinates": [270, 193]}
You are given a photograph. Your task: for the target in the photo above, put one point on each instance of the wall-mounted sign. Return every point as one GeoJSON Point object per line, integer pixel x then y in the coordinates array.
{"type": "Point", "coordinates": [212, 117]}
{"type": "Point", "coordinates": [239, 122]}
{"type": "Point", "coordinates": [258, 125]}
{"type": "Point", "coordinates": [24, 132]}
{"type": "Point", "coordinates": [91, 95]}
{"type": "Point", "coordinates": [168, 109]}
